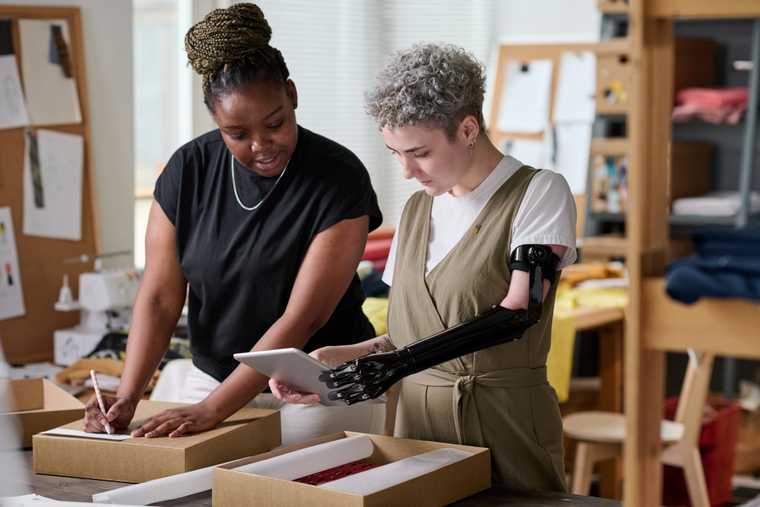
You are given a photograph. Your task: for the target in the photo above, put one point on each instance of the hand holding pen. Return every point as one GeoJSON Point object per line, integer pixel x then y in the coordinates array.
{"type": "Point", "coordinates": [99, 397]}
{"type": "Point", "coordinates": [103, 411]}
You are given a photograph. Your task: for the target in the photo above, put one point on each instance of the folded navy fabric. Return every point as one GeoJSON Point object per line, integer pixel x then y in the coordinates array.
{"type": "Point", "coordinates": [726, 265]}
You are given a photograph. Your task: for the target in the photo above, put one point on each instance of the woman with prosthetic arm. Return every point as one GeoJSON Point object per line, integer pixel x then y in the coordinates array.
{"type": "Point", "coordinates": [472, 270]}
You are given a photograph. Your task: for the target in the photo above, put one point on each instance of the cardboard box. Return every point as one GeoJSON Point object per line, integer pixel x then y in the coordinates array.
{"type": "Point", "coordinates": [38, 405]}
{"type": "Point", "coordinates": [445, 485]}
{"type": "Point", "coordinates": [248, 431]}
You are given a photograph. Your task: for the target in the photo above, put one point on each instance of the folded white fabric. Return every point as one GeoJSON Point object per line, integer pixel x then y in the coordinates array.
{"type": "Point", "coordinates": [722, 203]}
{"type": "Point", "coordinates": [383, 477]}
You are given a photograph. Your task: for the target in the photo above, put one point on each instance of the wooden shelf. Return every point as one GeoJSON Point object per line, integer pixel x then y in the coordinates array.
{"type": "Point", "coordinates": [618, 45]}
{"type": "Point", "coordinates": [610, 146]}
{"type": "Point", "coordinates": [613, 7]}
{"type": "Point", "coordinates": [724, 326]}
{"type": "Point", "coordinates": [616, 109]}
{"type": "Point", "coordinates": [603, 246]}
{"type": "Point", "coordinates": [696, 9]}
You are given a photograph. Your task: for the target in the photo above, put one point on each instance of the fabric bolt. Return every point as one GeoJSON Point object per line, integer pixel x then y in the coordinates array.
{"type": "Point", "coordinates": [498, 397]}
{"type": "Point", "coordinates": [241, 265]}
{"type": "Point", "coordinates": [713, 105]}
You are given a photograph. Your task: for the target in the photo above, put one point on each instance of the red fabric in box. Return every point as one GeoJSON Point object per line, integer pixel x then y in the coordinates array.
{"type": "Point", "coordinates": [335, 473]}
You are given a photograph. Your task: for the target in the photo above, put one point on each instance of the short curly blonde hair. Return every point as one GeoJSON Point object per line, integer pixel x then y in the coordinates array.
{"type": "Point", "coordinates": [436, 85]}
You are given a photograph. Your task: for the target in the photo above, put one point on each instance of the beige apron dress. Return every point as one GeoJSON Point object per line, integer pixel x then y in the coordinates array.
{"type": "Point", "coordinates": [498, 397]}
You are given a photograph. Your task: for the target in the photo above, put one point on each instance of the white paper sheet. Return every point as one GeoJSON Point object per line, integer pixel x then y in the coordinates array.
{"type": "Point", "coordinates": [61, 159]}
{"type": "Point", "coordinates": [570, 143]}
{"type": "Point", "coordinates": [386, 476]}
{"type": "Point", "coordinates": [293, 465]}
{"type": "Point", "coordinates": [68, 432]}
{"type": "Point", "coordinates": [525, 97]}
{"type": "Point", "coordinates": [51, 97]}
{"type": "Point", "coordinates": [576, 87]}
{"type": "Point", "coordinates": [159, 490]}
{"type": "Point", "coordinates": [311, 460]}
{"type": "Point", "coordinates": [12, 107]}
{"type": "Point", "coordinates": [11, 292]}
{"type": "Point", "coordinates": [529, 152]}
{"type": "Point", "coordinates": [37, 500]}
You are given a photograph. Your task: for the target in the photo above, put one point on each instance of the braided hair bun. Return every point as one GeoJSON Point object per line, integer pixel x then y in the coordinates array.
{"type": "Point", "coordinates": [230, 48]}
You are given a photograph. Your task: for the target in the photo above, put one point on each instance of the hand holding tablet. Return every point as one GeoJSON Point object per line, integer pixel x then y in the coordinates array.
{"type": "Point", "coordinates": [290, 366]}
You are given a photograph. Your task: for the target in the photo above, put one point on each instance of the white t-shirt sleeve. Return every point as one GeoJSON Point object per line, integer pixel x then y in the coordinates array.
{"type": "Point", "coordinates": [388, 272]}
{"type": "Point", "coordinates": [547, 215]}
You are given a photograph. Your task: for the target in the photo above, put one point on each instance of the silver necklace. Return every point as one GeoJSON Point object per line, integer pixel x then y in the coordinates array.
{"type": "Point", "coordinates": [234, 186]}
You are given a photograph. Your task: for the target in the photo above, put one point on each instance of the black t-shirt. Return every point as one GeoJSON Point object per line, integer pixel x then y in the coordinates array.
{"type": "Point", "coordinates": [241, 265]}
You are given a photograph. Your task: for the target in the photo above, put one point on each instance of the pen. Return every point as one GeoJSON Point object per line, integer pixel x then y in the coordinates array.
{"type": "Point", "coordinates": [99, 397]}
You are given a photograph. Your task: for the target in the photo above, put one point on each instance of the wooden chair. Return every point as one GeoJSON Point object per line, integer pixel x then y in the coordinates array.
{"type": "Point", "coordinates": [600, 435]}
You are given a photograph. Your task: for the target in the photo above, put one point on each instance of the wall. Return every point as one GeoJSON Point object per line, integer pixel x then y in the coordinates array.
{"type": "Point", "coordinates": [547, 20]}
{"type": "Point", "coordinates": [107, 29]}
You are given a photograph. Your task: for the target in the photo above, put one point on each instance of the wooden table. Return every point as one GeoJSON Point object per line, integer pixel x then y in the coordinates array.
{"type": "Point", "coordinates": [81, 490]}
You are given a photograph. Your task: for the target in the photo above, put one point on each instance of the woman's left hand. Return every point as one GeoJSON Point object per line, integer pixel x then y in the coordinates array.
{"type": "Point", "coordinates": [176, 422]}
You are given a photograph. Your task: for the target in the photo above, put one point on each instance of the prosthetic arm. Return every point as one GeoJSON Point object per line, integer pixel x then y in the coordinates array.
{"type": "Point", "coordinates": [370, 376]}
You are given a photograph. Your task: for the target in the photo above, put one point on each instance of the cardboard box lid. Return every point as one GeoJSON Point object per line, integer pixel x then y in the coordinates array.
{"type": "Point", "coordinates": [147, 409]}
{"type": "Point", "coordinates": [249, 431]}
{"type": "Point", "coordinates": [38, 395]}
{"type": "Point", "coordinates": [445, 485]}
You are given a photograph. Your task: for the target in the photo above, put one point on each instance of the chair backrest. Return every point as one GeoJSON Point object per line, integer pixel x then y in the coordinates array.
{"type": "Point", "coordinates": [696, 384]}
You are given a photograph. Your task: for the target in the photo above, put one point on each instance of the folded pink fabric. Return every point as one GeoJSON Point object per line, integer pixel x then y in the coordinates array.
{"type": "Point", "coordinates": [714, 105]}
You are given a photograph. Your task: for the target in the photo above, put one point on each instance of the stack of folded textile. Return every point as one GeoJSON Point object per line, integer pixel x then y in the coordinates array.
{"type": "Point", "coordinates": [715, 204]}
{"type": "Point", "coordinates": [713, 105]}
{"type": "Point", "coordinates": [726, 265]}
{"type": "Point", "coordinates": [378, 247]}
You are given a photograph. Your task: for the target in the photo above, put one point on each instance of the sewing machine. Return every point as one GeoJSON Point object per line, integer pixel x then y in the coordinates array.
{"type": "Point", "coordinates": [105, 303]}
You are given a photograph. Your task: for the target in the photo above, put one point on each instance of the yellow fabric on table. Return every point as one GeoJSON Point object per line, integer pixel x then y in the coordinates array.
{"type": "Point", "coordinates": [559, 362]}
{"type": "Point", "coordinates": [376, 310]}
{"type": "Point", "coordinates": [590, 297]}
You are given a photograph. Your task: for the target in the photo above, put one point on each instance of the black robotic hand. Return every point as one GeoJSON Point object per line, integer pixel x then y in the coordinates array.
{"type": "Point", "coordinates": [367, 377]}
{"type": "Point", "coordinates": [370, 376]}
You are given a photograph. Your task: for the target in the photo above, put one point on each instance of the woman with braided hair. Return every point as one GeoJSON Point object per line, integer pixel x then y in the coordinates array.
{"type": "Point", "coordinates": [261, 223]}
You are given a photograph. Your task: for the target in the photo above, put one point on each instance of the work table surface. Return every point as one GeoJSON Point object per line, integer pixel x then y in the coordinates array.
{"type": "Point", "coordinates": [81, 490]}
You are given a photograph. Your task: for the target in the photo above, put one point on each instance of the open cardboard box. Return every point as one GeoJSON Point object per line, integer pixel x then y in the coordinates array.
{"type": "Point", "coordinates": [453, 482]}
{"type": "Point", "coordinates": [248, 431]}
{"type": "Point", "coordinates": [38, 405]}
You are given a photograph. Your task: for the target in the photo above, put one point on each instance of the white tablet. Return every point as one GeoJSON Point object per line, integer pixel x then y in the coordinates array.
{"type": "Point", "coordinates": [291, 366]}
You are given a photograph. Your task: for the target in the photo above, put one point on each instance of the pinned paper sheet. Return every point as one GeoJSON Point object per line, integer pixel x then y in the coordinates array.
{"type": "Point", "coordinates": [576, 87]}
{"type": "Point", "coordinates": [68, 432]}
{"type": "Point", "coordinates": [570, 144]}
{"type": "Point", "coordinates": [11, 293]}
{"type": "Point", "coordinates": [525, 97]}
{"type": "Point", "coordinates": [51, 96]}
{"type": "Point", "coordinates": [53, 167]}
{"type": "Point", "coordinates": [386, 476]}
{"type": "Point", "coordinates": [12, 107]}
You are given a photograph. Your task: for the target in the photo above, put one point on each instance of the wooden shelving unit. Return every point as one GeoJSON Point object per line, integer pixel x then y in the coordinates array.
{"type": "Point", "coordinates": [655, 323]}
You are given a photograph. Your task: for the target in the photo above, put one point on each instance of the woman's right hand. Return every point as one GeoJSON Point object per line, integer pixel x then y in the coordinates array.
{"type": "Point", "coordinates": [119, 413]}
{"type": "Point", "coordinates": [331, 356]}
